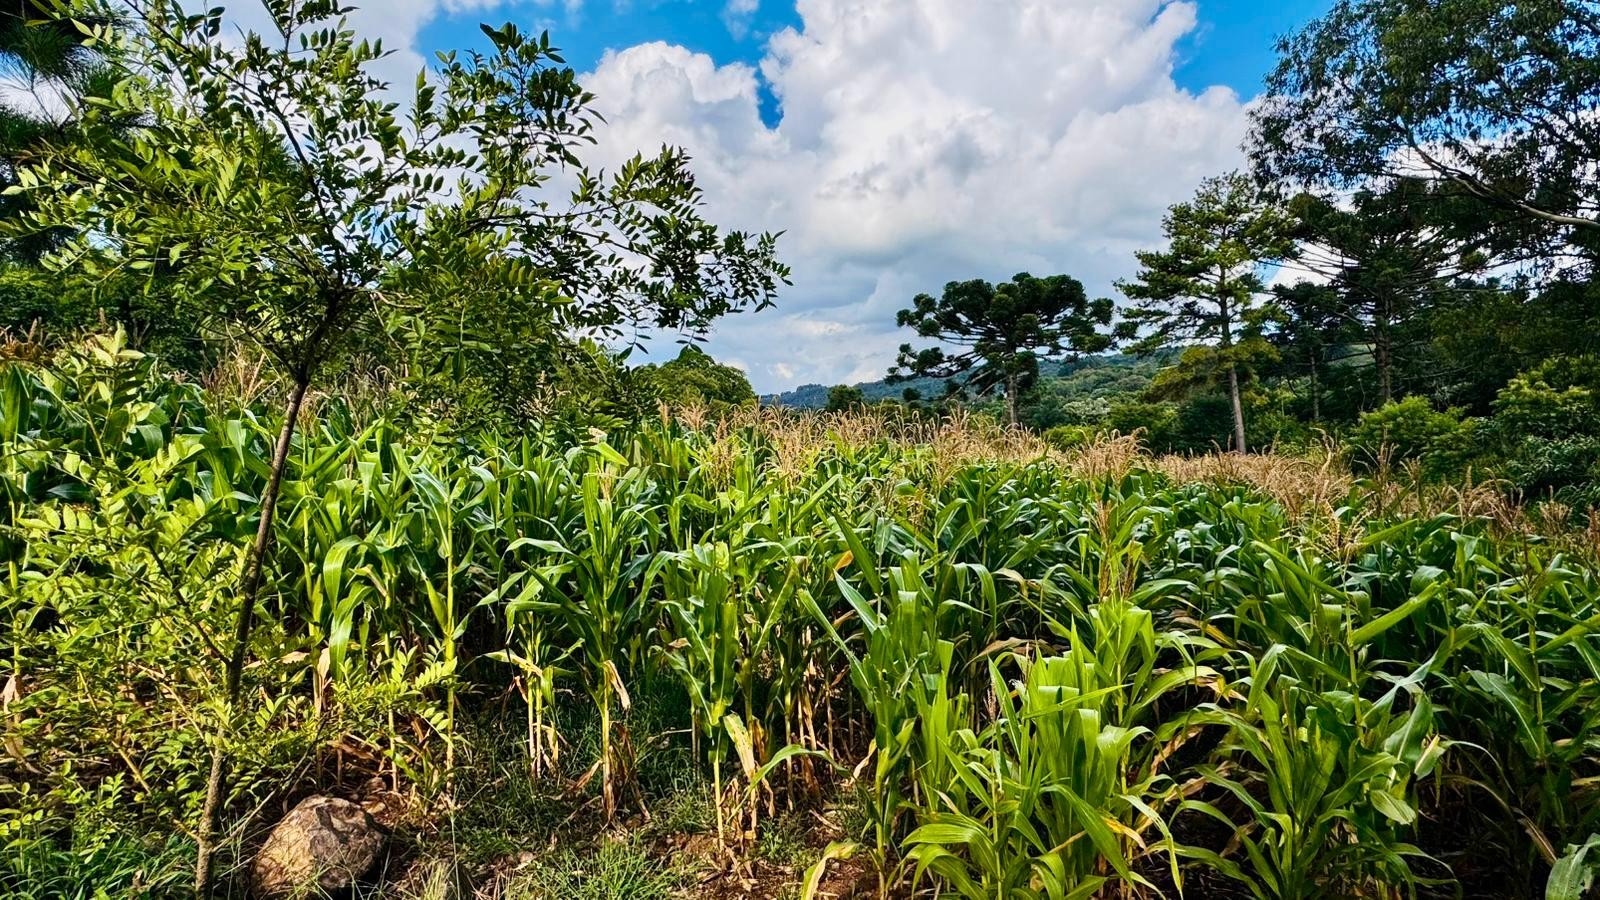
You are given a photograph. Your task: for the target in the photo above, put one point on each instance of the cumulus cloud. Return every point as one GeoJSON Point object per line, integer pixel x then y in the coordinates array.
{"type": "Point", "coordinates": [919, 141]}
{"type": "Point", "coordinates": [736, 14]}
{"type": "Point", "coordinates": [922, 141]}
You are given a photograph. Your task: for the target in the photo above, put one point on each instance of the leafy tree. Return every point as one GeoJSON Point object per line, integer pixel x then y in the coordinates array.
{"type": "Point", "coordinates": [1204, 287]}
{"type": "Point", "coordinates": [844, 397]}
{"type": "Point", "coordinates": [1483, 337]}
{"type": "Point", "coordinates": [1547, 424]}
{"type": "Point", "coordinates": [1004, 330]}
{"type": "Point", "coordinates": [286, 198]}
{"type": "Point", "coordinates": [1155, 423]}
{"type": "Point", "coordinates": [1498, 98]}
{"type": "Point", "coordinates": [693, 378]}
{"type": "Point", "coordinates": [1410, 429]}
{"type": "Point", "coordinates": [1391, 251]}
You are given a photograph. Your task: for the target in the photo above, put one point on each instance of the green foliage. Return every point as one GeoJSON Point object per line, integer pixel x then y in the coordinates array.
{"type": "Point", "coordinates": [1411, 429]}
{"type": "Point", "coordinates": [1060, 677]}
{"type": "Point", "coordinates": [693, 379]}
{"type": "Point", "coordinates": [1330, 790]}
{"type": "Point", "coordinates": [1155, 423]}
{"type": "Point", "coordinates": [1558, 398]}
{"type": "Point", "coordinates": [352, 168]}
{"type": "Point", "coordinates": [617, 870]}
{"type": "Point", "coordinates": [46, 51]}
{"type": "Point", "coordinates": [1490, 97]}
{"type": "Point", "coordinates": [276, 190]}
{"type": "Point", "coordinates": [1069, 437]}
{"type": "Point", "coordinates": [1546, 425]}
{"type": "Point", "coordinates": [1004, 330]}
{"type": "Point", "coordinates": [843, 398]}
{"type": "Point", "coordinates": [1390, 254]}
{"type": "Point", "coordinates": [1203, 369]}
{"type": "Point", "coordinates": [1204, 286]}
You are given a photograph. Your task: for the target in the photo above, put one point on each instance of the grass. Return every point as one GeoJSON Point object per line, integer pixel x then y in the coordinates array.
{"type": "Point", "coordinates": [616, 870]}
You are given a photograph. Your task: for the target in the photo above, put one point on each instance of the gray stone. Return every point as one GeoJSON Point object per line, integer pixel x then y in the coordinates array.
{"type": "Point", "coordinates": [323, 844]}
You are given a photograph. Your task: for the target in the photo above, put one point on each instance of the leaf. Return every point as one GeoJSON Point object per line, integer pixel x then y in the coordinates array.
{"type": "Point", "coordinates": [1394, 616]}
{"type": "Point", "coordinates": [742, 745]}
{"type": "Point", "coordinates": [1393, 808]}
{"type": "Point", "coordinates": [1572, 875]}
{"type": "Point", "coordinates": [840, 850]}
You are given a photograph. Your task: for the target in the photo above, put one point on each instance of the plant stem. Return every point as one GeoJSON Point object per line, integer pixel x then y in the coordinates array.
{"type": "Point", "coordinates": [233, 676]}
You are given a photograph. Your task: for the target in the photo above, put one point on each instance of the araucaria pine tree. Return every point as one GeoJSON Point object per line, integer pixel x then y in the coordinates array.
{"type": "Point", "coordinates": [1204, 288]}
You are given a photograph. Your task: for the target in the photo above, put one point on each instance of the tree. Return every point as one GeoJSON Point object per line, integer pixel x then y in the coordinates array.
{"type": "Point", "coordinates": [1483, 337]}
{"type": "Point", "coordinates": [1308, 325]}
{"type": "Point", "coordinates": [285, 198]}
{"type": "Point", "coordinates": [1498, 98]}
{"type": "Point", "coordinates": [1004, 329]}
{"type": "Point", "coordinates": [693, 378]}
{"type": "Point", "coordinates": [50, 56]}
{"type": "Point", "coordinates": [844, 397]}
{"type": "Point", "coordinates": [1204, 286]}
{"type": "Point", "coordinates": [1391, 250]}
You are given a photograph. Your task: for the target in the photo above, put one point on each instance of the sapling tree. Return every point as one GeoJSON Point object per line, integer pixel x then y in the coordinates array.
{"type": "Point", "coordinates": [1002, 331]}
{"type": "Point", "coordinates": [287, 197]}
{"type": "Point", "coordinates": [1203, 288]}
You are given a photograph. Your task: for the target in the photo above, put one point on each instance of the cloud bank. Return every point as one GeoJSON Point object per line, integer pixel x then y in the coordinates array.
{"type": "Point", "coordinates": [922, 141]}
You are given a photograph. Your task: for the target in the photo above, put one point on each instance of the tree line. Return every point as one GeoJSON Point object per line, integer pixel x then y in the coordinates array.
{"type": "Point", "coordinates": [1407, 263]}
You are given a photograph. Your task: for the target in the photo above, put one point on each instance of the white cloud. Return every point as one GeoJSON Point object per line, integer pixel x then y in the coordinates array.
{"type": "Point", "coordinates": [923, 141]}
{"type": "Point", "coordinates": [736, 14]}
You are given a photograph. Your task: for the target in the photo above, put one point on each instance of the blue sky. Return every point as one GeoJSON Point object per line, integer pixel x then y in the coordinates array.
{"type": "Point", "coordinates": [916, 141]}
{"type": "Point", "coordinates": [1232, 45]}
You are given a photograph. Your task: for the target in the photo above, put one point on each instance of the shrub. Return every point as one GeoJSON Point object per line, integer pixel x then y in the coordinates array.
{"type": "Point", "coordinates": [1558, 398]}
{"type": "Point", "coordinates": [1547, 425]}
{"type": "Point", "coordinates": [1156, 422]}
{"type": "Point", "coordinates": [1204, 424]}
{"type": "Point", "coordinates": [1070, 437]}
{"type": "Point", "coordinates": [1567, 469]}
{"type": "Point", "coordinates": [1411, 429]}
{"type": "Point", "coordinates": [844, 397]}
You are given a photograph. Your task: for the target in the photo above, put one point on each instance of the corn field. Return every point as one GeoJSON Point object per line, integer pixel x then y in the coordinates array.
{"type": "Point", "coordinates": [996, 673]}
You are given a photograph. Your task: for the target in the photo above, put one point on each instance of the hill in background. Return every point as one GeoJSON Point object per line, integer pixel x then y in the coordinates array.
{"type": "Point", "coordinates": [1092, 379]}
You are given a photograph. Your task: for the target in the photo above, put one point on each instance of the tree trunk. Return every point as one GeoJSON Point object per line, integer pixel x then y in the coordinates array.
{"type": "Point", "coordinates": [233, 677]}
{"type": "Point", "coordinates": [1238, 408]}
{"type": "Point", "coordinates": [1011, 400]}
{"type": "Point", "coordinates": [1233, 368]}
{"type": "Point", "coordinates": [1316, 390]}
{"type": "Point", "coordinates": [1383, 356]}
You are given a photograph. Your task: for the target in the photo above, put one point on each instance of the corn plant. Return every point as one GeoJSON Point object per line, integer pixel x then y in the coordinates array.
{"type": "Point", "coordinates": [592, 590]}
{"type": "Point", "coordinates": [1325, 783]}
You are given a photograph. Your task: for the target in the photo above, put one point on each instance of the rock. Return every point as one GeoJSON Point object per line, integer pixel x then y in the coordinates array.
{"type": "Point", "coordinates": [323, 844]}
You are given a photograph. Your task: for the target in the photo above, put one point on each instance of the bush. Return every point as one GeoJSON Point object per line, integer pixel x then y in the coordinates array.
{"type": "Point", "coordinates": [1547, 427]}
{"type": "Point", "coordinates": [1567, 469]}
{"type": "Point", "coordinates": [693, 378]}
{"type": "Point", "coordinates": [1070, 437]}
{"type": "Point", "coordinates": [1559, 398]}
{"type": "Point", "coordinates": [843, 397]}
{"type": "Point", "coordinates": [1411, 429]}
{"type": "Point", "coordinates": [1156, 423]}
{"type": "Point", "coordinates": [1205, 424]}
